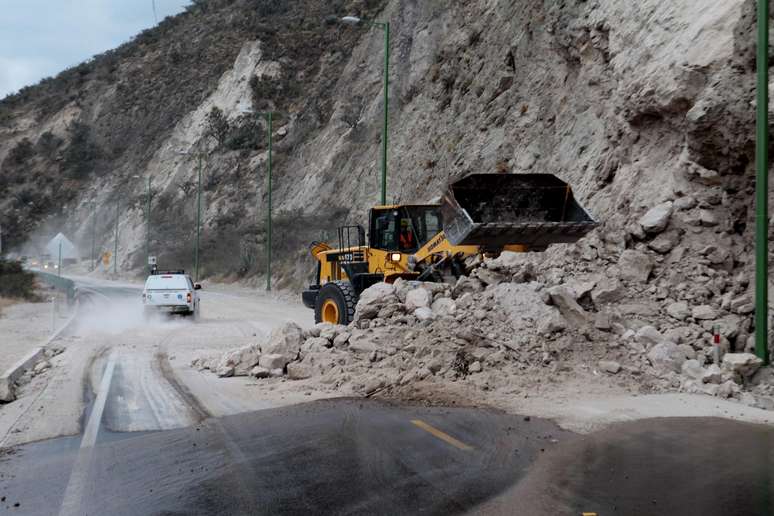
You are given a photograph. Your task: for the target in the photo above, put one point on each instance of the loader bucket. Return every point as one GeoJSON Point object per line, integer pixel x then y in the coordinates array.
{"type": "Point", "coordinates": [494, 210]}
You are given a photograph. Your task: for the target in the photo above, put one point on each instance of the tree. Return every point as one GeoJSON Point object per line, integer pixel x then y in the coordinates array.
{"type": "Point", "coordinates": [217, 125]}
{"type": "Point", "coordinates": [81, 153]}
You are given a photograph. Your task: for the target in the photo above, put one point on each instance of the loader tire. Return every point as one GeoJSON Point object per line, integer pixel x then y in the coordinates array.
{"type": "Point", "coordinates": [335, 303]}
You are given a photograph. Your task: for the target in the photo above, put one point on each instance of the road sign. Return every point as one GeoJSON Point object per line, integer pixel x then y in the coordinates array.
{"type": "Point", "coordinates": [151, 260]}
{"type": "Point", "coordinates": [106, 256]}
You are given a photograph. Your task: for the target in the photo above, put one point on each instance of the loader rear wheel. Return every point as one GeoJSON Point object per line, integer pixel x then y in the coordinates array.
{"type": "Point", "coordinates": [335, 303]}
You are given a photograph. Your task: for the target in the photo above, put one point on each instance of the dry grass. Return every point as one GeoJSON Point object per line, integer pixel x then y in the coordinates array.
{"type": "Point", "coordinates": [5, 302]}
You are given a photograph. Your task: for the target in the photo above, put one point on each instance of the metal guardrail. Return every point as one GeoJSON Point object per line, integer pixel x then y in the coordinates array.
{"type": "Point", "coordinates": [62, 284]}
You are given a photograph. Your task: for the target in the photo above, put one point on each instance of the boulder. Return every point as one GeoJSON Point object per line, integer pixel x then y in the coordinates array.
{"type": "Point", "coordinates": [225, 371]}
{"type": "Point", "coordinates": [240, 360]}
{"type": "Point", "coordinates": [525, 309]}
{"type": "Point", "coordinates": [708, 218]}
{"type": "Point", "coordinates": [417, 298]}
{"type": "Point", "coordinates": [466, 285]}
{"type": "Point", "coordinates": [648, 335]}
{"type": "Point", "coordinates": [341, 339]}
{"type": "Point", "coordinates": [444, 306]}
{"type": "Point", "coordinates": [260, 372]}
{"type": "Point", "coordinates": [298, 371]}
{"type": "Point", "coordinates": [373, 299]}
{"type": "Point", "coordinates": [273, 361]}
{"type": "Point", "coordinates": [666, 356]}
{"type": "Point", "coordinates": [423, 314]}
{"type": "Point", "coordinates": [656, 219]}
{"type": "Point", "coordinates": [704, 313]}
{"type": "Point", "coordinates": [712, 374]}
{"type": "Point", "coordinates": [684, 203]}
{"type": "Point", "coordinates": [607, 290]}
{"type": "Point", "coordinates": [564, 300]}
{"type": "Point", "coordinates": [602, 321]}
{"type": "Point", "coordinates": [315, 345]}
{"type": "Point", "coordinates": [678, 310]}
{"type": "Point", "coordinates": [692, 369]}
{"type": "Point", "coordinates": [609, 366]}
{"type": "Point", "coordinates": [7, 393]}
{"type": "Point", "coordinates": [475, 367]}
{"type": "Point", "coordinates": [286, 340]}
{"type": "Point", "coordinates": [728, 389]}
{"type": "Point", "coordinates": [635, 266]}
{"type": "Point", "coordinates": [741, 365]}
{"type": "Point", "coordinates": [664, 242]}
{"type": "Point", "coordinates": [490, 277]}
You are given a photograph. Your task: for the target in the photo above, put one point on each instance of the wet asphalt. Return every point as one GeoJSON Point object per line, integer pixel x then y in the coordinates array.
{"type": "Point", "coordinates": [327, 457]}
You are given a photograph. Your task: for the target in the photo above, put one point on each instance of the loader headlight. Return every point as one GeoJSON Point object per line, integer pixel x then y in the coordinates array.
{"type": "Point", "coordinates": [395, 257]}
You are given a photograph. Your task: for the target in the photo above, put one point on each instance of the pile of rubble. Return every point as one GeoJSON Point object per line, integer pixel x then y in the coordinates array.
{"type": "Point", "coordinates": [641, 303]}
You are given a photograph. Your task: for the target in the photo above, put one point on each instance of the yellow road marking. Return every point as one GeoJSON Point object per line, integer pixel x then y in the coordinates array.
{"type": "Point", "coordinates": [441, 435]}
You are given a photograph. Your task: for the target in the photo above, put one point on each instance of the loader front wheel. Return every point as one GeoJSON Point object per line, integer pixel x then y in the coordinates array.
{"type": "Point", "coordinates": [335, 303]}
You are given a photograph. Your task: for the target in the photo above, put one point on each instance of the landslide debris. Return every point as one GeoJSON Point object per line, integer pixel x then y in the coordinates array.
{"type": "Point", "coordinates": [608, 309]}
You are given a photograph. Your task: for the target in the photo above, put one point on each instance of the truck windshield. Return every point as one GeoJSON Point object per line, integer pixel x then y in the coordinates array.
{"type": "Point", "coordinates": [167, 282]}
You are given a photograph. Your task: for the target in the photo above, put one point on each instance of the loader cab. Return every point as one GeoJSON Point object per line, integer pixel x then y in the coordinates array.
{"type": "Point", "coordinates": [404, 228]}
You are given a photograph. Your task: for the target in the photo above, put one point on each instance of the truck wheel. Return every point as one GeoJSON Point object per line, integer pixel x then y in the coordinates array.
{"type": "Point", "coordinates": [335, 303]}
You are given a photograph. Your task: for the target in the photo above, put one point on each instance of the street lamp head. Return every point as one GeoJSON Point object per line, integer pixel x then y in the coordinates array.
{"type": "Point", "coordinates": [351, 20]}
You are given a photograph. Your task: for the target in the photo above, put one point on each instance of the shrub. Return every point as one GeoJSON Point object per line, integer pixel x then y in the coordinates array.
{"type": "Point", "coordinates": [15, 282]}
{"type": "Point", "coordinates": [82, 153]}
{"type": "Point", "coordinates": [217, 125]}
{"type": "Point", "coordinates": [48, 144]}
{"type": "Point", "coordinates": [21, 152]}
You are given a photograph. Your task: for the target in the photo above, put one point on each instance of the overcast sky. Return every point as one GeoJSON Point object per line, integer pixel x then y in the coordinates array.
{"type": "Point", "coordinates": [40, 38]}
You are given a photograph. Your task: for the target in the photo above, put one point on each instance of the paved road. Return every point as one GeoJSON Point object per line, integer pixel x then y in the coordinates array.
{"type": "Point", "coordinates": [338, 456]}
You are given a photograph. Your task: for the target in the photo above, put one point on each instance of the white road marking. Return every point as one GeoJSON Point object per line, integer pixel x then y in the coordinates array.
{"type": "Point", "coordinates": [71, 503]}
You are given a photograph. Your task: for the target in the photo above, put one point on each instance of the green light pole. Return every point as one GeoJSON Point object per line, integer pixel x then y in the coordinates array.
{"type": "Point", "coordinates": [269, 116]}
{"type": "Point", "coordinates": [93, 233]}
{"type": "Point", "coordinates": [198, 219]}
{"type": "Point", "coordinates": [385, 26]}
{"type": "Point", "coordinates": [199, 156]}
{"type": "Point", "coordinates": [115, 247]}
{"type": "Point", "coordinates": [147, 219]}
{"type": "Point", "coordinates": [762, 186]}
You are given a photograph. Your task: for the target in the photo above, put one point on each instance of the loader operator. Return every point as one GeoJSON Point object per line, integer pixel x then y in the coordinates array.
{"type": "Point", "coordinates": [406, 237]}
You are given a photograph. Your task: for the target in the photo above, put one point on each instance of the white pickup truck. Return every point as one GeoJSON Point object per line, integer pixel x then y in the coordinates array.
{"type": "Point", "coordinates": [171, 292]}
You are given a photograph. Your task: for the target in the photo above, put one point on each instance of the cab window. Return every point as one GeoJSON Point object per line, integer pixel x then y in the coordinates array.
{"type": "Point", "coordinates": [384, 230]}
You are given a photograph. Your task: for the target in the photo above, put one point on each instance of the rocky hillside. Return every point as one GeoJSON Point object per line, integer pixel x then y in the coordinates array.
{"type": "Point", "coordinates": [636, 104]}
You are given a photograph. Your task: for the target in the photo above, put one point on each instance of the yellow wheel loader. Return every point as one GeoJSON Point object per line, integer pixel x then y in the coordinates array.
{"type": "Point", "coordinates": [481, 214]}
